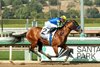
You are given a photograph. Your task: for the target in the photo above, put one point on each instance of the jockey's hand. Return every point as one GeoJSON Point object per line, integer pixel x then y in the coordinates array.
{"type": "Point", "coordinates": [52, 29]}
{"type": "Point", "coordinates": [59, 28]}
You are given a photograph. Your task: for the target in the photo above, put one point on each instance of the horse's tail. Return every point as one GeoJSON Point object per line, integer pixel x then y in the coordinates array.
{"type": "Point", "coordinates": [18, 38]}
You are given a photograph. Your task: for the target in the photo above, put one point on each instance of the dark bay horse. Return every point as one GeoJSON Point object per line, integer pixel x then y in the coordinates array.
{"type": "Point", "coordinates": [59, 39]}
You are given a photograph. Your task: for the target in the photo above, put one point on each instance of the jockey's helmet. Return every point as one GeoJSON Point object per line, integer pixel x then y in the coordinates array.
{"type": "Point", "coordinates": [63, 17]}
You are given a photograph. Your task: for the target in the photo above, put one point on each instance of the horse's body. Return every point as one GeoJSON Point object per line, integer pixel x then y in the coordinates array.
{"type": "Point", "coordinates": [59, 39]}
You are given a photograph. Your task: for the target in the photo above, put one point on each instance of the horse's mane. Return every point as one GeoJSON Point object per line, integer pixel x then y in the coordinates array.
{"type": "Point", "coordinates": [67, 21]}
{"type": "Point", "coordinates": [64, 24]}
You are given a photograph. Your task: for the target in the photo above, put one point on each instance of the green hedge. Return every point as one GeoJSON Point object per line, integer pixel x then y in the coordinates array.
{"type": "Point", "coordinates": [16, 55]}
{"type": "Point", "coordinates": [22, 22]}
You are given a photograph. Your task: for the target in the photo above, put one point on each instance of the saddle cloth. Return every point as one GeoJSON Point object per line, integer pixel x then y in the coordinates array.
{"type": "Point", "coordinates": [45, 35]}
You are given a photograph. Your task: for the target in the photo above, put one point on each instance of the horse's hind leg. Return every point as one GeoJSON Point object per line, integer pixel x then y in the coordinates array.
{"type": "Point", "coordinates": [33, 45]}
{"type": "Point", "coordinates": [32, 49]}
{"type": "Point", "coordinates": [40, 50]}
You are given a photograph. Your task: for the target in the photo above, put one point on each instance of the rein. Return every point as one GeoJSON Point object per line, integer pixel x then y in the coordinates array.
{"type": "Point", "coordinates": [75, 24]}
{"type": "Point", "coordinates": [65, 24]}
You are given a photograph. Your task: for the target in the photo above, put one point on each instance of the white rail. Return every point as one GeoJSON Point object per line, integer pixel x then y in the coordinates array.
{"type": "Point", "coordinates": [27, 55]}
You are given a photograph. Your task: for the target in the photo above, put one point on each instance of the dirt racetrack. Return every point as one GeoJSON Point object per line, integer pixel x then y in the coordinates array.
{"type": "Point", "coordinates": [50, 65]}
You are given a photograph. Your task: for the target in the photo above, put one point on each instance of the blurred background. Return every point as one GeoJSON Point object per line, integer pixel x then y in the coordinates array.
{"type": "Point", "coordinates": [27, 13]}
{"type": "Point", "coordinates": [20, 15]}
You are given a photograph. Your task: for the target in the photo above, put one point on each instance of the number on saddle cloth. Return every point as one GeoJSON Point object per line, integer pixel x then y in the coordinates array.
{"type": "Point", "coordinates": [44, 30]}
{"type": "Point", "coordinates": [44, 33]}
{"type": "Point", "coordinates": [47, 33]}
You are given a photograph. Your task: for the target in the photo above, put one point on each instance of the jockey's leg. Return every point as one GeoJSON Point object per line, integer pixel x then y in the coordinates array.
{"type": "Point", "coordinates": [46, 27]}
{"type": "Point", "coordinates": [50, 25]}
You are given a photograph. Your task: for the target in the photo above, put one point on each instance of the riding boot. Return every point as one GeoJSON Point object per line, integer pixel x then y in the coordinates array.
{"type": "Point", "coordinates": [52, 29]}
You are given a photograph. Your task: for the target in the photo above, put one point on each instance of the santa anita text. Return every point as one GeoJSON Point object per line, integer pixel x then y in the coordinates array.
{"type": "Point", "coordinates": [87, 52]}
{"type": "Point", "coordinates": [80, 53]}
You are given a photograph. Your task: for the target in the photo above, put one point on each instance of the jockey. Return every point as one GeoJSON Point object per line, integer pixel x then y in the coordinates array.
{"type": "Point", "coordinates": [52, 24]}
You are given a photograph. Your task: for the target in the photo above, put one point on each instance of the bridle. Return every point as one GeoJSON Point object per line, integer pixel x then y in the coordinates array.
{"type": "Point", "coordinates": [74, 26]}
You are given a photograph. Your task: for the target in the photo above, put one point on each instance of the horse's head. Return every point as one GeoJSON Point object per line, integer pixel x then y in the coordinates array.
{"type": "Point", "coordinates": [73, 25]}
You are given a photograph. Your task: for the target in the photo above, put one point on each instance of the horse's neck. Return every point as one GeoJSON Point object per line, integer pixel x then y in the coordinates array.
{"type": "Point", "coordinates": [67, 31]}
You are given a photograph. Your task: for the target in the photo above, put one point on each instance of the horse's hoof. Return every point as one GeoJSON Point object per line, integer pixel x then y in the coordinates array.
{"type": "Point", "coordinates": [48, 56]}
{"type": "Point", "coordinates": [70, 50]}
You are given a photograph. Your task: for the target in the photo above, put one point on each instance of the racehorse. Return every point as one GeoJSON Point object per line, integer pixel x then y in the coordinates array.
{"type": "Point", "coordinates": [59, 39]}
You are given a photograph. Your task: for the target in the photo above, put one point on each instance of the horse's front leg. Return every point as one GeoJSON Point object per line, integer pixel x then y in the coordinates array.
{"type": "Point", "coordinates": [55, 48]}
{"type": "Point", "coordinates": [65, 50]}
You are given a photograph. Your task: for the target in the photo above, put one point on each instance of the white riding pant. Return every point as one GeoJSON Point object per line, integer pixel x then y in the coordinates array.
{"type": "Point", "coordinates": [50, 25]}
{"type": "Point", "coordinates": [44, 32]}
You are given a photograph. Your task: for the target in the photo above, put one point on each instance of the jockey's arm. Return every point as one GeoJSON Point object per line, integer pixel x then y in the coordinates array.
{"type": "Point", "coordinates": [52, 29]}
{"type": "Point", "coordinates": [59, 25]}
{"type": "Point", "coordinates": [55, 28]}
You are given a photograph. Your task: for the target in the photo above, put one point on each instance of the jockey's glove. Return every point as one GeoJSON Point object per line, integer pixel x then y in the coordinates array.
{"type": "Point", "coordinates": [52, 29]}
{"type": "Point", "coordinates": [59, 28]}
